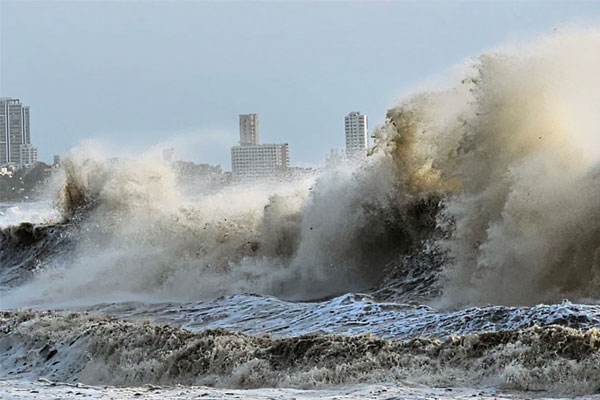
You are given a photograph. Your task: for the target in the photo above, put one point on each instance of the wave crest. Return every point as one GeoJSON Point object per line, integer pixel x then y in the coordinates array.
{"type": "Point", "coordinates": [487, 191]}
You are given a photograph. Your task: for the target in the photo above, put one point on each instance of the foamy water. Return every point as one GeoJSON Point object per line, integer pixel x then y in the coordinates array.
{"type": "Point", "coordinates": [41, 212]}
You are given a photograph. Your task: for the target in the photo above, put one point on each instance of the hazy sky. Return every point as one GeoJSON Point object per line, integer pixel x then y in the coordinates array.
{"type": "Point", "coordinates": [139, 73]}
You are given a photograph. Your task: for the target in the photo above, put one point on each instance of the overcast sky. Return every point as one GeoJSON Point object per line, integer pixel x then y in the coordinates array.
{"type": "Point", "coordinates": [135, 74]}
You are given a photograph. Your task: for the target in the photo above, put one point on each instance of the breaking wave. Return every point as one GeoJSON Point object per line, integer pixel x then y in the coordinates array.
{"type": "Point", "coordinates": [486, 192]}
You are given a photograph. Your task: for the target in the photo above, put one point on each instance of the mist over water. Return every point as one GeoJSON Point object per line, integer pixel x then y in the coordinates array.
{"type": "Point", "coordinates": [500, 175]}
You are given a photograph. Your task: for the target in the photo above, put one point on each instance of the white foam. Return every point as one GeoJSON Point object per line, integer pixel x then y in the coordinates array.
{"type": "Point", "coordinates": [40, 212]}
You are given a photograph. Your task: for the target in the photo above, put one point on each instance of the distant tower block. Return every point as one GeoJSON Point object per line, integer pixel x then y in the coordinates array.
{"type": "Point", "coordinates": [15, 139]}
{"type": "Point", "coordinates": [248, 129]}
{"type": "Point", "coordinates": [356, 134]}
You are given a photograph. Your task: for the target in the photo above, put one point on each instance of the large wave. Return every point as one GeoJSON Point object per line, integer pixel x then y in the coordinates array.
{"type": "Point", "coordinates": [486, 192]}
{"type": "Point", "coordinates": [515, 147]}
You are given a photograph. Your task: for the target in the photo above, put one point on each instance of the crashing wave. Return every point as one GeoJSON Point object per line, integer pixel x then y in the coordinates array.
{"type": "Point", "coordinates": [483, 193]}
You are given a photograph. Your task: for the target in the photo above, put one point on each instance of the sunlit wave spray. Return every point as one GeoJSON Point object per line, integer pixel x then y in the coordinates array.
{"type": "Point", "coordinates": [517, 143]}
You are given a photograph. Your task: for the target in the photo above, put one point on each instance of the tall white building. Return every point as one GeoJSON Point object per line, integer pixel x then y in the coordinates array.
{"type": "Point", "coordinates": [356, 134]}
{"type": "Point", "coordinates": [251, 160]}
{"type": "Point", "coordinates": [248, 129]}
{"type": "Point", "coordinates": [15, 138]}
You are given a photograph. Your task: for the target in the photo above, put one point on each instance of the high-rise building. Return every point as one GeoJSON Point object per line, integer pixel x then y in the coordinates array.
{"type": "Point", "coordinates": [251, 160]}
{"type": "Point", "coordinates": [15, 138]}
{"type": "Point", "coordinates": [356, 134]}
{"type": "Point", "coordinates": [248, 129]}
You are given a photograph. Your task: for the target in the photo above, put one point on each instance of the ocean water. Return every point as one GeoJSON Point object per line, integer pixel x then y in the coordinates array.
{"type": "Point", "coordinates": [461, 258]}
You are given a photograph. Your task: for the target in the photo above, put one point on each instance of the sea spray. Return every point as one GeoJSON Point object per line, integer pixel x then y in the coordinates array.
{"type": "Point", "coordinates": [513, 149]}
{"type": "Point", "coordinates": [527, 215]}
{"type": "Point", "coordinates": [486, 192]}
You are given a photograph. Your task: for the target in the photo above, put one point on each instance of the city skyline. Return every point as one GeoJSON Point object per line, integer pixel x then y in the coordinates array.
{"type": "Point", "coordinates": [26, 156]}
{"type": "Point", "coordinates": [177, 74]}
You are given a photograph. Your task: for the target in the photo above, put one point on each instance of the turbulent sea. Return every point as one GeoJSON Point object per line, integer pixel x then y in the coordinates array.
{"type": "Point", "coordinates": [461, 258]}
